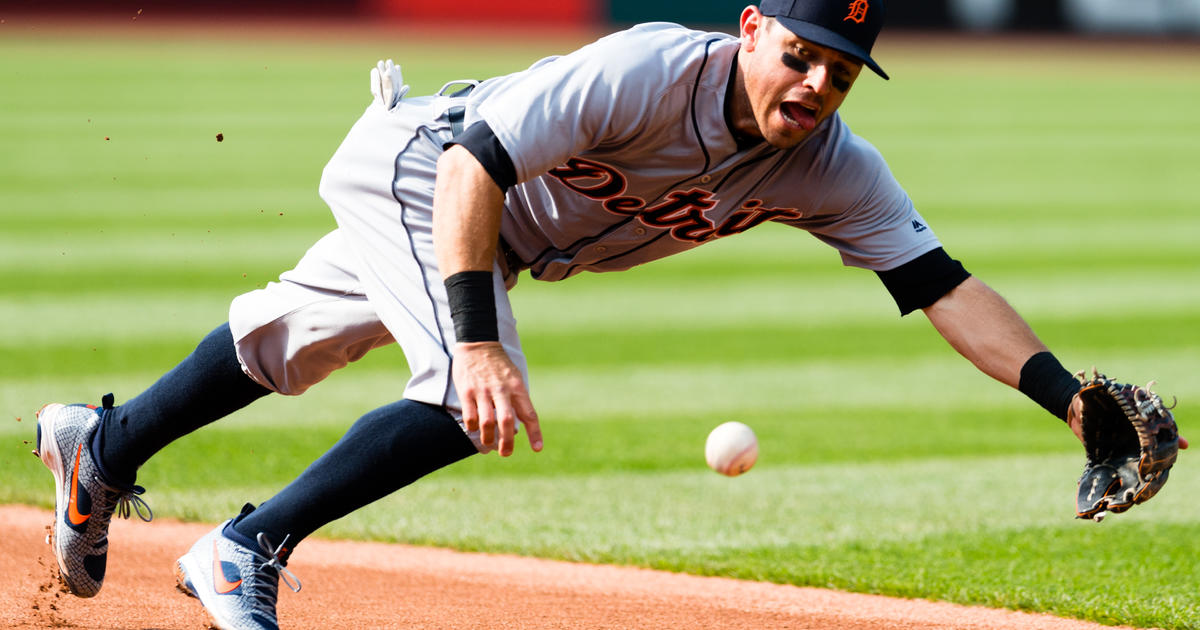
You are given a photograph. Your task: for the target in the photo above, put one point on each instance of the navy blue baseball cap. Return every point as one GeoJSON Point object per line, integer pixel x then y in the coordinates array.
{"type": "Point", "coordinates": [848, 26]}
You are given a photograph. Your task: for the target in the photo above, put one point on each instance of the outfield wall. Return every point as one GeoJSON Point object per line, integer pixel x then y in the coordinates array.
{"type": "Point", "coordinates": [558, 12]}
{"type": "Point", "coordinates": [1153, 17]}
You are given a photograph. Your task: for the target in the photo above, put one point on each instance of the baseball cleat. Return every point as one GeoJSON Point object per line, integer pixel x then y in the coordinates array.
{"type": "Point", "coordinates": [237, 586]}
{"type": "Point", "coordinates": [84, 501]}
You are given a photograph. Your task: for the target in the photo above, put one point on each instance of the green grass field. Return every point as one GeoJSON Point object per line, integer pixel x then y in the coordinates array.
{"type": "Point", "coordinates": [1065, 178]}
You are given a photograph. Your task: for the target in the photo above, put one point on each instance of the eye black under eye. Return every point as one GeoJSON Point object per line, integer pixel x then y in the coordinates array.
{"type": "Point", "coordinates": [795, 63]}
{"type": "Point", "coordinates": [841, 84]}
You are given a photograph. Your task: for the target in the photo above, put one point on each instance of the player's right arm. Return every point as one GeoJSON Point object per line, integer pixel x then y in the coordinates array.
{"type": "Point", "coordinates": [467, 208]}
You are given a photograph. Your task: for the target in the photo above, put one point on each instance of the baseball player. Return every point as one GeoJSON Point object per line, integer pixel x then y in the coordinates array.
{"type": "Point", "coordinates": [643, 144]}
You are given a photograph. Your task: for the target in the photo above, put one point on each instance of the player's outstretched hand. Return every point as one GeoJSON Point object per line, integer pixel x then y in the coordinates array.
{"type": "Point", "coordinates": [494, 397]}
{"type": "Point", "coordinates": [1075, 422]}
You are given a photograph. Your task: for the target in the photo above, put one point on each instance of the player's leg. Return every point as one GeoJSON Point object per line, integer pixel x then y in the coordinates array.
{"type": "Point", "coordinates": [386, 448]}
{"type": "Point", "coordinates": [390, 232]}
{"type": "Point", "coordinates": [383, 451]}
{"type": "Point", "coordinates": [207, 385]}
{"type": "Point", "coordinates": [94, 453]}
{"type": "Point", "coordinates": [392, 446]}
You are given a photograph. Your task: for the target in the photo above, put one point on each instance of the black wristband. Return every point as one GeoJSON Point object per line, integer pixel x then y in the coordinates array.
{"type": "Point", "coordinates": [472, 306]}
{"type": "Point", "coordinates": [1048, 383]}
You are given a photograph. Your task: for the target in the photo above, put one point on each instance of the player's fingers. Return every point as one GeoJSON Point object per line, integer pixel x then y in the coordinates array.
{"type": "Point", "coordinates": [506, 421]}
{"type": "Point", "coordinates": [487, 422]}
{"type": "Point", "coordinates": [1183, 443]}
{"type": "Point", "coordinates": [469, 413]}
{"type": "Point", "coordinates": [529, 418]}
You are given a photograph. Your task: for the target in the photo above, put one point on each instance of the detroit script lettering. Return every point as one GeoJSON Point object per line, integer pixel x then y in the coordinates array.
{"type": "Point", "coordinates": [684, 212]}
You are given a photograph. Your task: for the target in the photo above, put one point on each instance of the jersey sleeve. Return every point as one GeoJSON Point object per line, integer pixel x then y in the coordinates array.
{"type": "Point", "coordinates": [481, 141]}
{"type": "Point", "coordinates": [603, 93]}
{"type": "Point", "coordinates": [860, 209]}
{"type": "Point", "coordinates": [922, 281]}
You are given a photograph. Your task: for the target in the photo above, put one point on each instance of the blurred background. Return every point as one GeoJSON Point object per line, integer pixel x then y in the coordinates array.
{"type": "Point", "coordinates": [1179, 18]}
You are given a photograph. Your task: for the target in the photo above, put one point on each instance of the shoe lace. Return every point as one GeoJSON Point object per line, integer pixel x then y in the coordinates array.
{"type": "Point", "coordinates": [268, 574]}
{"type": "Point", "coordinates": [124, 500]}
{"type": "Point", "coordinates": [121, 501]}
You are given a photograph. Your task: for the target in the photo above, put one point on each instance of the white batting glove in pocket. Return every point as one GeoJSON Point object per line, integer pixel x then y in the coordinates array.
{"type": "Point", "coordinates": [387, 85]}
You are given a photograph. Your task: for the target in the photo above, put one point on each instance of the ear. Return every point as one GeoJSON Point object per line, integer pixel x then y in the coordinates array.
{"type": "Point", "coordinates": [752, 26]}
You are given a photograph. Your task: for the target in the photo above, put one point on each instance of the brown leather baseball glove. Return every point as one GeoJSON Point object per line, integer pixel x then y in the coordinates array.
{"type": "Point", "coordinates": [1131, 442]}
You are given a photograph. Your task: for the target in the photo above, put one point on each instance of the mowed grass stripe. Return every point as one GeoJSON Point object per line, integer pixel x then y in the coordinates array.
{"type": "Point", "coordinates": [579, 445]}
{"type": "Point", "coordinates": [267, 242]}
{"type": "Point", "coordinates": [796, 505]}
{"type": "Point", "coordinates": [798, 393]}
{"type": "Point", "coordinates": [123, 275]}
{"type": "Point", "coordinates": [825, 298]}
{"type": "Point", "coordinates": [752, 342]}
{"type": "Point", "coordinates": [739, 347]}
{"type": "Point", "coordinates": [67, 251]}
{"type": "Point", "coordinates": [139, 209]}
{"type": "Point", "coordinates": [117, 316]}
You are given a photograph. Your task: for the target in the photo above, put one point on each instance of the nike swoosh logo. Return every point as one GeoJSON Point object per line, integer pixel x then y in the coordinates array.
{"type": "Point", "coordinates": [74, 516]}
{"type": "Point", "coordinates": [220, 584]}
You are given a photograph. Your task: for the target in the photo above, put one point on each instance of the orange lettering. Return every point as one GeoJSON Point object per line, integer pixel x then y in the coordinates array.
{"type": "Point", "coordinates": [858, 11]}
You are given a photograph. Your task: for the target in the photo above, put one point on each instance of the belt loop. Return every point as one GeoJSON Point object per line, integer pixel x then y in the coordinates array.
{"type": "Point", "coordinates": [456, 114]}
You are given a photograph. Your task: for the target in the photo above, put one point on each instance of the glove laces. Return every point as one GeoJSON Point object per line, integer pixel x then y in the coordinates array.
{"type": "Point", "coordinates": [1148, 401]}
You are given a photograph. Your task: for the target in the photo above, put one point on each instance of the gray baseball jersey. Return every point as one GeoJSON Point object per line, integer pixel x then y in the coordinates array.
{"type": "Point", "coordinates": [623, 155]}
{"type": "Point", "coordinates": [618, 154]}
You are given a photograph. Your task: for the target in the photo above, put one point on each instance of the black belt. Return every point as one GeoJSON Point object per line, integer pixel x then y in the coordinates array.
{"type": "Point", "coordinates": [456, 114]}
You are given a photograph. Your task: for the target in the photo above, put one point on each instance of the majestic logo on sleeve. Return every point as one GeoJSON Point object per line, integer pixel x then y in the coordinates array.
{"type": "Point", "coordinates": [858, 11]}
{"type": "Point", "coordinates": [684, 212]}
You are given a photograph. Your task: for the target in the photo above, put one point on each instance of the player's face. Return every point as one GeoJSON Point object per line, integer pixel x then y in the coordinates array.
{"type": "Point", "coordinates": [791, 84]}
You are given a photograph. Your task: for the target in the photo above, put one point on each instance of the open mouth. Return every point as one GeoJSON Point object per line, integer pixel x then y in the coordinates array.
{"type": "Point", "coordinates": [799, 115]}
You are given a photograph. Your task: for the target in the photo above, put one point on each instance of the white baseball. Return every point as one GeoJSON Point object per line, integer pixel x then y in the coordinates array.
{"type": "Point", "coordinates": [731, 449]}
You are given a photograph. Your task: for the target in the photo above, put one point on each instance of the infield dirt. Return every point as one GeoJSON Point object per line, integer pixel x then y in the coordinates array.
{"type": "Point", "coordinates": [374, 585]}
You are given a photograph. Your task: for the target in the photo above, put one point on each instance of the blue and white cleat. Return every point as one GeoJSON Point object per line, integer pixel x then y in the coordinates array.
{"type": "Point", "coordinates": [238, 586]}
{"type": "Point", "coordinates": [84, 501]}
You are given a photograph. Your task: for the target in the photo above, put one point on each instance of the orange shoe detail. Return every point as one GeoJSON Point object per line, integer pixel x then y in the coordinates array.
{"type": "Point", "coordinates": [220, 584]}
{"type": "Point", "coordinates": [74, 516]}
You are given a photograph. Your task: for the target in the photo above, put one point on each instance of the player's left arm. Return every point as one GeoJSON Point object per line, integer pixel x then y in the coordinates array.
{"type": "Point", "coordinates": [984, 328]}
{"type": "Point", "coordinates": [874, 224]}
{"type": "Point", "coordinates": [981, 326]}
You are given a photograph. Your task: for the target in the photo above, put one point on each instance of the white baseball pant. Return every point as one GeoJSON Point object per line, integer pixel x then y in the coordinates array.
{"type": "Point", "coordinates": [375, 279]}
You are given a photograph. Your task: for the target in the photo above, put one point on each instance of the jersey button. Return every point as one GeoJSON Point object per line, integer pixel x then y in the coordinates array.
{"type": "Point", "coordinates": [704, 179]}
{"type": "Point", "coordinates": [601, 249]}
{"type": "Point", "coordinates": [639, 230]}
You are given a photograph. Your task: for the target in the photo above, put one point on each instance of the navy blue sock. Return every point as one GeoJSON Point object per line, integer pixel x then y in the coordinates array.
{"type": "Point", "coordinates": [385, 450]}
{"type": "Point", "coordinates": [206, 386]}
